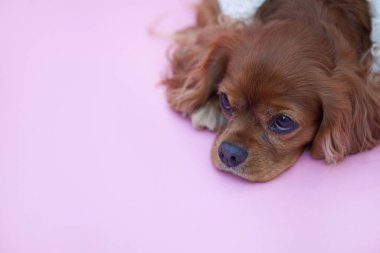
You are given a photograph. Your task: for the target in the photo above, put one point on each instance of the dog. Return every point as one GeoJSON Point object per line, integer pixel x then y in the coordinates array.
{"type": "Point", "coordinates": [298, 76]}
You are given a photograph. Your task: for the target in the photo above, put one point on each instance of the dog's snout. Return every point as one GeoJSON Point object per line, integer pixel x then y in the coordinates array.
{"type": "Point", "coordinates": [232, 155]}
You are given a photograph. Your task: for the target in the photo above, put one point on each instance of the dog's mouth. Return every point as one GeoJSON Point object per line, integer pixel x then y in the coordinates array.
{"type": "Point", "coordinates": [258, 177]}
{"type": "Point", "coordinates": [250, 170]}
{"type": "Point", "coordinates": [236, 171]}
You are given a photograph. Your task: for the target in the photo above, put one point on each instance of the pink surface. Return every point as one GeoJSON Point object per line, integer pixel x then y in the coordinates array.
{"type": "Point", "coordinates": [93, 160]}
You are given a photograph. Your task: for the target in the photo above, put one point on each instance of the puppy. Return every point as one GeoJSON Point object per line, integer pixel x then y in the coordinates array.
{"type": "Point", "coordinates": [297, 76]}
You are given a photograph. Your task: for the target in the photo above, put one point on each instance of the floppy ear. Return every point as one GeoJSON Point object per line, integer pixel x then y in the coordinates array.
{"type": "Point", "coordinates": [202, 80]}
{"type": "Point", "coordinates": [351, 118]}
{"type": "Point", "coordinates": [332, 141]}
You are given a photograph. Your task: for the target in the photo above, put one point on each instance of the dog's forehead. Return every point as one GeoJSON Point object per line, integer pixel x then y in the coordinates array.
{"type": "Point", "coordinates": [261, 84]}
{"type": "Point", "coordinates": [270, 61]}
{"type": "Point", "coordinates": [261, 79]}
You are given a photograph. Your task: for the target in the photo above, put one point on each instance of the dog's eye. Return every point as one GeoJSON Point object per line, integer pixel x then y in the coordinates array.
{"type": "Point", "coordinates": [225, 103]}
{"type": "Point", "coordinates": [283, 124]}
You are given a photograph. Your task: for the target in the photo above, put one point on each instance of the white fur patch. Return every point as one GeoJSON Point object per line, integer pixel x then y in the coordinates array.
{"type": "Point", "coordinates": [208, 117]}
{"type": "Point", "coordinates": [242, 10]}
{"type": "Point", "coordinates": [375, 34]}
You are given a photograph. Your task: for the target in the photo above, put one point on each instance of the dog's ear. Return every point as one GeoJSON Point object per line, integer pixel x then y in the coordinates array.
{"type": "Point", "coordinates": [332, 141]}
{"type": "Point", "coordinates": [351, 118]}
{"type": "Point", "coordinates": [204, 76]}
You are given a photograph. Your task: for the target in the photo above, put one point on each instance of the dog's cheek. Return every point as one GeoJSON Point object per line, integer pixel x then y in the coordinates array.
{"type": "Point", "coordinates": [214, 152]}
{"type": "Point", "coordinates": [214, 156]}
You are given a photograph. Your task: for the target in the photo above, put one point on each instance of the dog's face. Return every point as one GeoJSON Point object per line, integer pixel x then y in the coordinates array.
{"type": "Point", "coordinates": [267, 128]}
{"type": "Point", "coordinates": [262, 139]}
{"type": "Point", "coordinates": [268, 94]}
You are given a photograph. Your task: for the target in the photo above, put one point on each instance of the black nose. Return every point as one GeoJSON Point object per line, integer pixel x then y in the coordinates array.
{"type": "Point", "coordinates": [232, 155]}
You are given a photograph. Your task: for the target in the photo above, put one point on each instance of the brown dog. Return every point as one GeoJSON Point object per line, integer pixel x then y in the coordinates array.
{"type": "Point", "coordinates": [298, 76]}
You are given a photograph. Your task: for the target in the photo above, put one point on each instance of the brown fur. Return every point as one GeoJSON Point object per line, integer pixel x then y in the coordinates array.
{"type": "Point", "coordinates": [305, 58]}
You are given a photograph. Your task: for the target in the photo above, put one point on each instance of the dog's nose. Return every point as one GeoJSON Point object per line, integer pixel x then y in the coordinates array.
{"type": "Point", "coordinates": [232, 155]}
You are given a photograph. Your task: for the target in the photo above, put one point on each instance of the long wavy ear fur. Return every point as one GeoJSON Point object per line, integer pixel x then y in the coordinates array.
{"type": "Point", "coordinates": [190, 46]}
{"type": "Point", "coordinates": [351, 116]}
{"type": "Point", "coordinates": [199, 59]}
{"type": "Point", "coordinates": [202, 80]}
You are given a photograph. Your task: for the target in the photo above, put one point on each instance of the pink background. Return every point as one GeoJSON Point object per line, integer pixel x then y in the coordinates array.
{"type": "Point", "coordinates": [93, 160]}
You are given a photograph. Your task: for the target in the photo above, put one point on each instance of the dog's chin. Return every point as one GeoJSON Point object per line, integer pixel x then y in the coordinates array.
{"type": "Point", "coordinates": [238, 171]}
{"type": "Point", "coordinates": [248, 172]}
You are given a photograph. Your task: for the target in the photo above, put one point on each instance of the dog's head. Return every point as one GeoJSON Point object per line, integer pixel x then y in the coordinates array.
{"type": "Point", "coordinates": [281, 96]}
{"type": "Point", "coordinates": [269, 96]}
